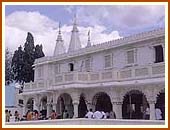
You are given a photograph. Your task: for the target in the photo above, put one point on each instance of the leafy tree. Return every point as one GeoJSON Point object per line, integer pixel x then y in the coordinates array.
{"type": "Point", "coordinates": [38, 52]}
{"type": "Point", "coordinates": [18, 64]}
{"type": "Point", "coordinates": [29, 51]}
{"type": "Point", "coordinates": [9, 75]}
{"type": "Point", "coordinates": [23, 60]}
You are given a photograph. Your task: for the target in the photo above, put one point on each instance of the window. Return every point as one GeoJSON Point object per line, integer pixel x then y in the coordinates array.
{"type": "Point", "coordinates": [130, 57]}
{"type": "Point", "coordinates": [71, 67]}
{"type": "Point", "coordinates": [20, 101]}
{"type": "Point", "coordinates": [108, 61]}
{"type": "Point", "coordinates": [57, 68]}
{"type": "Point", "coordinates": [87, 64]}
{"type": "Point", "coordinates": [158, 54]}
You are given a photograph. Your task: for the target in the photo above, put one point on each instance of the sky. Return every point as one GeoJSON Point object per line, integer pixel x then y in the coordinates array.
{"type": "Point", "coordinates": [105, 22]}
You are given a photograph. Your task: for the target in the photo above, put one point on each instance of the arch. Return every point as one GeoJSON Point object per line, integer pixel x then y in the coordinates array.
{"type": "Point", "coordinates": [82, 107]}
{"type": "Point", "coordinates": [30, 104]}
{"type": "Point", "coordinates": [43, 106]}
{"type": "Point", "coordinates": [160, 103]}
{"type": "Point", "coordinates": [64, 102]}
{"type": "Point", "coordinates": [102, 102]}
{"type": "Point", "coordinates": [134, 104]}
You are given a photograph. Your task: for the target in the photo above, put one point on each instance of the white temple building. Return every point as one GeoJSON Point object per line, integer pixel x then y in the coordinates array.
{"type": "Point", "coordinates": [126, 76]}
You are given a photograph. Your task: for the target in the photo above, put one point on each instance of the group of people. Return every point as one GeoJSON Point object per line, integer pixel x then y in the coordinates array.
{"type": "Point", "coordinates": [158, 114]}
{"type": "Point", "coordinates": [35, 115]}
{"type": "Point", "coordinates": [100, 115]}
{"type": "Point", "coordinates": [8, 115]}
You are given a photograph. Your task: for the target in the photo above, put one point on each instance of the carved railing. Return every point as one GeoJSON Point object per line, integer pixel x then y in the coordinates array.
{"type": "Point", "coordinates": [129, 73]}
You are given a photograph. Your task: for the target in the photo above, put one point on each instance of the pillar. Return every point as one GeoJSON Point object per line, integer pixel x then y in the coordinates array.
{"type": "Point", "coordinates": [75, 105]}
{"type": "Point", "coordinates": [36, 106]}
{"type": "Point", "coordinates": [89, 105]}
{"type": "Point", "coordinates": [117, 108]}
{"type": "Point", "coordinates": [24, 110]}
{"type": "Point", "coordinates": [54, 107]}
{"type": "Point", "coordinates": [48, 110]}
{"type": "Point", "coordinates": [152, 110]}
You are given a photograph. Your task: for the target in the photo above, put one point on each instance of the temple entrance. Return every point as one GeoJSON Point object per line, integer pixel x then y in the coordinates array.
{"type": "Point", "coordinates": [64, 102]}
{"type": "Point", "coordinates": [134, 104]}
{"type": "Point", "coordinates": [82, 108]}
{"type": "Point", "coordinates": [30, 104]}
{"type": "Point", "coordinates": [102, 102]}
{"type": "Point", "coordinates": [160, 103]}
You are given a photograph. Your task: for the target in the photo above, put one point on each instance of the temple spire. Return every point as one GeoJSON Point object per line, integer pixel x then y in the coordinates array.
{"type": "Point", "coordinates": [75, 43]}
{"type": "Point", "coordinates": [88, 42]}
{"type": "Point", "coordinates": [59, 47]}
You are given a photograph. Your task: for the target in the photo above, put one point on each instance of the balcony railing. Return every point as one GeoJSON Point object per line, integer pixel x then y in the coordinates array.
{"type": "Point", "coordinates": [129, 73]}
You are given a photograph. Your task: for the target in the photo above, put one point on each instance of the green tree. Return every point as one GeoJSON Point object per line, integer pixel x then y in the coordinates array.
{"type": "Point", "coordinates": [23, 60]}
{"type": "Point", "coordinates": [9, 75]}
{"type": "Point", "coordinates": [18, 64]}
{"type": "Point", "coordinates": [38, 52]}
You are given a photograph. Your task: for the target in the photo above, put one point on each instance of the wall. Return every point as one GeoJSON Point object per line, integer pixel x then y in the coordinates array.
{"type": "Point", "coordinates": [90, 122]}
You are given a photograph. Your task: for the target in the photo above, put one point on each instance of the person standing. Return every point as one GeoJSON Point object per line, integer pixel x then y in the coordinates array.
{"type": "Point", "coordinates": [7, 116]}
{"type": "Point", "coordinates": [89, 114]}
{"type": "Point", "coordinates": [112, 115]}
{"type": "Point", "coordinates": [158, 114]}
{"type": "Point", "coordinates": [65, 114]}
{"type": "Point", "coordinates": [97, 115]}
{"type": "Point", "coordinates": [16, 116]}
{"type": "Point", "coordinates": [147, 113]}
{"type": "Point", "coordinates": [53, 115]}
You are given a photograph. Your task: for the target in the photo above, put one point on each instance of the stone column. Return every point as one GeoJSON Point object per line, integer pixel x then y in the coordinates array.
{"type": "Point", "coordinates": [152, 110]}
{"type": "Point", "coordinates": [36, 104]}
{"type": "Point", "coordinates": [163, 47]}
{"type": "Point", "coordinates": [24, 108]}
{"type": "Point", "coordinates": [117, 108]}
{"type": "Point", "coordinates": [75, 105]}
{"type": "Point", "coordinates": [89, 105]}
{"type": "Point", "coordinates": [48, 110]}
{"type": "Point", "coordinates": [54, 107]}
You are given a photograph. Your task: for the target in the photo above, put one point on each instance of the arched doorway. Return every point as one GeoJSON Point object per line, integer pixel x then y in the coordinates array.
{"type": "Point", "coordinates": [43, 107]}
{"type": "Point", "coordinates": [64, 102]}
{"type": "Point", "coordinates": [134, 104]}
{"type": "Point", "coordinates": [30, 104]}
{"type": "Point", "coordinates": [82, 108]}
{"type": "Point", "coordinates": [102, 102]}
{"type": "Point", "coordinates": [160, 103]}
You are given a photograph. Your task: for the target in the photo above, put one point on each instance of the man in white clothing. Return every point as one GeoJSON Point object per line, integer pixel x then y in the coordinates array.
{"type": "Point", "coordinates": [158, 114]}
{"type": "Point", "coordinates": [89, 114]}
{"type": "Point", "coordinates": [97, 115]}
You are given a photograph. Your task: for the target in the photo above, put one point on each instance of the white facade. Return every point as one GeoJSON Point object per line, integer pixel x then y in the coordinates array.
{"type": "Point", "coordinates": [114, 72]}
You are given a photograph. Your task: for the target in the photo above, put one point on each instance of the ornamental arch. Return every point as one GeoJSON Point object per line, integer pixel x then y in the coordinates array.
{"type": "Point", "coordinates": [160, 102]}
{"type": "Point", "coordinates": [82, 107]}
{"type": "Point", "coordinates": [43, 106]}
{"type": "Point", "coordinates": [102, 102]}
{"type": "Point", "coordinates": [134, 104]}
{"type": "Point", "coordinates": [30, 104]}
{"type": "Point", "coordinates": [64, 102]}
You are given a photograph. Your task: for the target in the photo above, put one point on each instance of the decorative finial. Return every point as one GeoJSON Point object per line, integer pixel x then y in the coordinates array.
{"type": "Point", "coordinates": [75, 18]}
{"type": "Point", "coordinates": [59, 28]}
{"type": "Point", "coordinates": [89, 35]}
{"type": "Point", "coordinates": [88, 42]}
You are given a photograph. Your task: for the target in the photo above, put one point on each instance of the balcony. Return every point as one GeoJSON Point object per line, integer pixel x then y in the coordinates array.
{"type": "Point", "coordinates": [129, 73]}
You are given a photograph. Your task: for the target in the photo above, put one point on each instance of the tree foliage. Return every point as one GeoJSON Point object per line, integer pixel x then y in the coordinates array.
{"type": "Point", "coordinates": [9, 75]}
{"type": "Point", "coordinates": [18, 64]}
{"type": "Point", "coordinates": [23, 60]}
